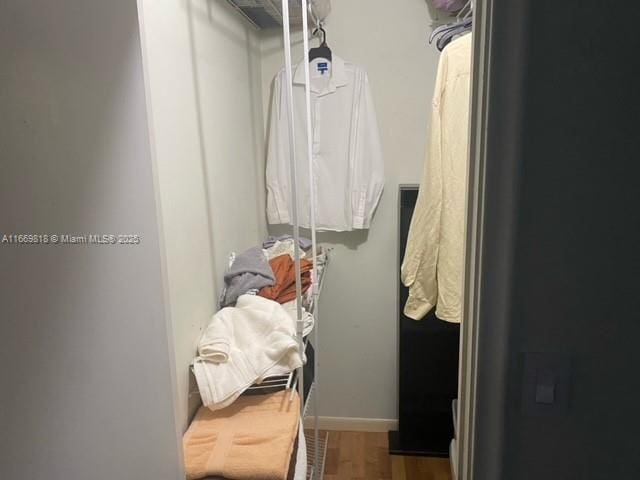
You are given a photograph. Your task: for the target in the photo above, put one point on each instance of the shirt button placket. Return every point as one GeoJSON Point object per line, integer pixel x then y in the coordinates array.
{"type": "Point", "coordinates": [316, 147]}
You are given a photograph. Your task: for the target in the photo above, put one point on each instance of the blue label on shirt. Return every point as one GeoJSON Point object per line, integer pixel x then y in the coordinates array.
{"type": "Point", "coordinates": [323, 67]}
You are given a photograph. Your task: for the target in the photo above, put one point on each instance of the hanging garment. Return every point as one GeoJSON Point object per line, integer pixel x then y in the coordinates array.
{"type": "Point", "coordinates": [249, 271]}
{"type": "Point", "coordinates": [251, 440]}
{"type": "Point", "coordinates": [433, 261]}
{"type": "Point", "coordinates": [241, 346]}
{"type": "Point", "coordinates": [347, 157]}
{"type": "Point", "coordinates": [284, 289]}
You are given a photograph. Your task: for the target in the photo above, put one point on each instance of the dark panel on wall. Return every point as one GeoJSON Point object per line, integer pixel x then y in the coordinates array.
{"type": "Point", "coordinates": [428, 362]}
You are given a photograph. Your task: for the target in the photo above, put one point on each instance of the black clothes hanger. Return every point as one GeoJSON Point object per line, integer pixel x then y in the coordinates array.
{"type": "Point", "coordinates": [449, 35]}
{"type": "Point", "coordinates": [444, 34]}
{"type": "Point", "coordinates": [323, 51]}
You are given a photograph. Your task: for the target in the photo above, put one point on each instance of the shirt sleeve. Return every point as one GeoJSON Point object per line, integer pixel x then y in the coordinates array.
{"type": "Point", "coordinates": [368, 172]}
{"type": "Point", "coordinates": [277, 158]}
{"type": "Point", "coordinates": [419, 267]}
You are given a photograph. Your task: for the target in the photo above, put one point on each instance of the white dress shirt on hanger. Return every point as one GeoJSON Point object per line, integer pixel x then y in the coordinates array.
{"type": "Point", "coordinates": [347, 156]}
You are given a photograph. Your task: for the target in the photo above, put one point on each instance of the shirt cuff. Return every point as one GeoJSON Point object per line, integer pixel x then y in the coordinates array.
{"type": "Point", "coordinates": [277, 211]}
{"type": "Point", "coordinates": [416, 308]}
{"type": "Point", "coordinates": [359, 220]}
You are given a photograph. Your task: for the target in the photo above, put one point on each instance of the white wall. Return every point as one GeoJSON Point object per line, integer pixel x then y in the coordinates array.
{"type": "Point", "coordinates": [203, 71]}
{"type": "Point", "coordinates": [85, 364]}
{"type": "Point", "coordinates": [358, 329]}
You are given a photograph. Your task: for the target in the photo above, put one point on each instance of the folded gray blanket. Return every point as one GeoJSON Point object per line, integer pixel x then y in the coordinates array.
{"type": "Point", "coordinates": [249, 271]}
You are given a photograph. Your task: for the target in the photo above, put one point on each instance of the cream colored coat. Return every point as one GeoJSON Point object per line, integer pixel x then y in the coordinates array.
{"type": "Point", "coordinates": [433, 262]}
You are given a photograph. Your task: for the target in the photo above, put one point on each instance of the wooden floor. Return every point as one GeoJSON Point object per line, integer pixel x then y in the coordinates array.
{"type": "Point", "coordinates": [365, 456]}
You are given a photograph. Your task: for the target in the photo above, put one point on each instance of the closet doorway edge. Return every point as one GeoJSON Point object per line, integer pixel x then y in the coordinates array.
{"type": "Point", "coordinates": [494, 134]}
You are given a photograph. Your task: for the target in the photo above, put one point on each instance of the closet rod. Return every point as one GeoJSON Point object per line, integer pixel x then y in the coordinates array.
{"type": "Point", "coordinates": [241, 12]}
{"type": "Point", "coordinates": [312, 210]}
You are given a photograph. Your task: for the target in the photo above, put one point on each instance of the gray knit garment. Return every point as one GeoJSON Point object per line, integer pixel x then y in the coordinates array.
{"type": "Point", "coordinates": [249, 271]}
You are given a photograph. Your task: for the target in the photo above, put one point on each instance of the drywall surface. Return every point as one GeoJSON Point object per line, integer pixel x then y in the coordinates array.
{"type": "Point", "coordinates": [203, 74]}
{"type": "Point", "coordinates": [358, 325]}
{"type": "Point", "coordinates": [85, 366]}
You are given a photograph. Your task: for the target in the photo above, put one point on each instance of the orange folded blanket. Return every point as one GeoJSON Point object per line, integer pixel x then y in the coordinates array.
{"type": "Point", "coordinates": [284, 270]}
{"type": "Point", "coordinates": [252, 439]}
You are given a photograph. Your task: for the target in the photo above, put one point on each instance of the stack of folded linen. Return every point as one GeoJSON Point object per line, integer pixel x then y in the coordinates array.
{"type": "Point", "coordinates": [268, 266]}
{"type": "Point", "coordinates": [253, 337]}
{"type": "Point", "coordinates": [243, 345]}
{"type": "Point", "coordinates": [284, 289]}
{"type": "Point", "coordinates": [253, 439]}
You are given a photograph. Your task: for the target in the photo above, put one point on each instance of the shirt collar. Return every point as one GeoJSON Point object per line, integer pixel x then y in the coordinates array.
{"type": "Point", "coordinates": [338, 76]}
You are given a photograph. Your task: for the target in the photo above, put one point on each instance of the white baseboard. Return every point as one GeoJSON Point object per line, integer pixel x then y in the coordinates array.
{"type": "Point", "coordinates": [353, 424]}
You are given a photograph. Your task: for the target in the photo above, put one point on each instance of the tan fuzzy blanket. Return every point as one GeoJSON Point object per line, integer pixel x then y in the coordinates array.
{"type": "Point", "coordinates": [252, 439]}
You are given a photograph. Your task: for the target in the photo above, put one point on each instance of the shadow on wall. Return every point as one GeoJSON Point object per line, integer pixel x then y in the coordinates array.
{"type": "Point", "coordinates": [203, 153]}
{"type": "Point", "coordinates": [205, 12]}
{"type": "Point", "coordinates": [258, 148]}
{"type": "Point", "coordinates": [206, 16]}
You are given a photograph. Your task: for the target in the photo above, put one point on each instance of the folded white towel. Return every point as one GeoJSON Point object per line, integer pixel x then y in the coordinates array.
{"type": "Point", "coordinates": [307, 318]}
{"type": "Point", "coordinates": [215, 350]}
{"type": "Point", "coordinates": [241, 345]}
